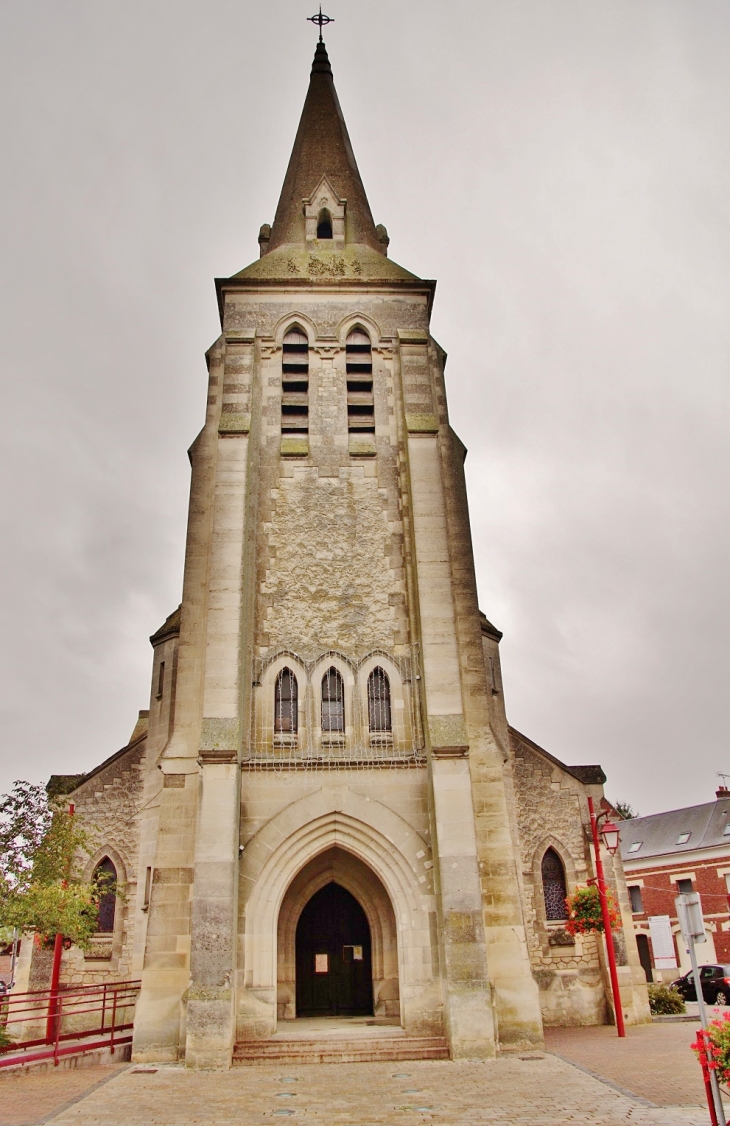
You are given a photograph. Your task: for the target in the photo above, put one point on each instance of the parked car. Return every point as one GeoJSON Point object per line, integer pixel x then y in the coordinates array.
{"type": "Point", "coordinates": [715, 981]}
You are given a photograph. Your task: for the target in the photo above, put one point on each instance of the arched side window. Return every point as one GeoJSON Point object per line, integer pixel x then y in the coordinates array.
{"type": "Point", "coordinates": [553, 886]}
{"type": "Point", "coordinates": [105, 876]}
{"type": "Point", "coordinates": [379, 717]}
{"type": "Point", "coordinates": [333, 701]}
{"type": "Point", "coordinates": [360, 404]}
{"type": "Point", "coordinates": [324, 224]}
{"type": "Point", "coordinates": [295, 382]}
{"type": "Point", "coordinates": [286, 703]}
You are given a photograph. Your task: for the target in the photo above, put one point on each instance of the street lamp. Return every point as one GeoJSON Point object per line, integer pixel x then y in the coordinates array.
{"type": "Point", "coordinates": [610, 835]}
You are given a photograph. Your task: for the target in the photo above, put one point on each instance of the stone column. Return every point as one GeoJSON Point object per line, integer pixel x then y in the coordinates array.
{"type": "Point", "coordinates": [211, 1009]}
{"type": "Point", "coordinates": [467, 999]}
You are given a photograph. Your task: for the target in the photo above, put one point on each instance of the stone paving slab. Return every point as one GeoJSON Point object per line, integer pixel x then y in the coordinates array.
{"type": "Point", "coordinates": [653, 1061]}
{"type": "Point", "coordinates": [539, 1090]}
{"type": "Point", "coordinates": [33, 1096]}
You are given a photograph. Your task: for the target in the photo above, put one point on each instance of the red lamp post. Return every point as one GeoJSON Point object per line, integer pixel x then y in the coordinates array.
{"type": "Point", "coordinates": [610, 835]}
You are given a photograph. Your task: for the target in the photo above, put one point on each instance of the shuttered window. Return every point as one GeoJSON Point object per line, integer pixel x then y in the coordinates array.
{"type": "Point", "coordinates": [295, 383]}
{"type": "Point", "coordinates": [360, 408]}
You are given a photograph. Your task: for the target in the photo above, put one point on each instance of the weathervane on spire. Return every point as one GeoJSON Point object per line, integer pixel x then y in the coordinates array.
{"type": "Point", "coordinates": [321, 20]}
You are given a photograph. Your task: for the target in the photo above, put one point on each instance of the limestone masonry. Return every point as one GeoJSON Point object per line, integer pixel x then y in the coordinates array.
{"type": "Point", "coordinates": [327, 714]}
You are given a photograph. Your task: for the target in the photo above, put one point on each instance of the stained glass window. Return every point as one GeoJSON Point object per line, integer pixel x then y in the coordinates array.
{"type": "Point", "coordinates": [286, 703]}
{"type": "Point", "coordinates": [553, 886]}
{"type": "Point", "coordinates": [106, 874]}
{"type": "Point", "coordinates": [379, 718]}
{"type": "Point", "coordinates": [333, 701]}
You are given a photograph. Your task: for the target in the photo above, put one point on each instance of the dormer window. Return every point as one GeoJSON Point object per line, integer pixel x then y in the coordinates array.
{"type": "Point", "coordinates": [295, 383]}
{"type": "Point", "coordinates": [324, 224]}
{"type": "Point", "coordinates": [360, 403]}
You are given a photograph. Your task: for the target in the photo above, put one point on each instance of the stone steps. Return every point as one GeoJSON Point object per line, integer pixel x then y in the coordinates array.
{"type": "Point", "coordinates": [345, 1050]}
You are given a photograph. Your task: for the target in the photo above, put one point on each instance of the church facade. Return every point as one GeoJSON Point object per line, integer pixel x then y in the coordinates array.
{"type": "Point", "coordinates": [324, 810]}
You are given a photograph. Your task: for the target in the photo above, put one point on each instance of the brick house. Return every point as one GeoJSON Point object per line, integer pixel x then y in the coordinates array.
{"type": "Point", "coordinates": [670, 853]}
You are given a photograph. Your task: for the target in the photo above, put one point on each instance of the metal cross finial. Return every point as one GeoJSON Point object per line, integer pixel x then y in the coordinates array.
{"type": "Point", "coordinates": [321, 20]}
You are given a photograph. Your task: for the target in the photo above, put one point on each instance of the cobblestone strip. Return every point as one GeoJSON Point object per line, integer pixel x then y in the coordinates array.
{"type": "Point", "coordinates": [539, 1091]}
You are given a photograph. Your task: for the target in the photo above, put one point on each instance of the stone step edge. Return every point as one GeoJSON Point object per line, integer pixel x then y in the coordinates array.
{"type": "Point", "coordinates": [390, 1043]}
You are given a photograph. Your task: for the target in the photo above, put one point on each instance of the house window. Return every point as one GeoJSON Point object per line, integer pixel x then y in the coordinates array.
{"type": "Point", "coordinates": [324, 224]}
{"type": "Point", "coordinates": [295, 383]}
{"type": "Point", "coordinates": [683, 838]}
{"type": "Point", "coordinates": [553, 886]}
{"type": "Point", "coordinates": [360, 404]}
{"type": "Point", "coordinates": [105, 876]}
{"type": "Point", "coordinates": [636, 846]}
{"type": "Point", "coordinates": [286, 699]}
{"type": "Point", "coordinates": [379, 718]}
{"type": "Point", "coordinates": [333, 701]}
{"type": "Point", "coordinates": [637, 903]}
{"type": "Point", "coordinates": [684, 887]}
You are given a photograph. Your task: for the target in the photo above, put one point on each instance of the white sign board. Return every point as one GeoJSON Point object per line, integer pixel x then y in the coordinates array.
{"type": "Point", "coordinates": [662, 942]}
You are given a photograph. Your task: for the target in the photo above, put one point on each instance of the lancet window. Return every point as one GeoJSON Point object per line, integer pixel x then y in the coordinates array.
{"type": "Point", "coordinates": [553, 886]}
{"type": "Point", "coordinates": [379, 716]}
{"type": "Point", "coordinates": [360, 406]}
{"type": "Point", "coordinates": [295, 383]}
{"type": "Point", "coordinates": [286, 703]}
{"type": "Point", "coordinates": [324, 224]}
{"type": "Point", "coordinates": [105, 877]}
{"type": "Point", "coordinates": [333, 701]}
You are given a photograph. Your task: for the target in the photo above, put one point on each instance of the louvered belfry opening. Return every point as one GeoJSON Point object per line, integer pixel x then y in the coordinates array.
{"type": "Point", "coordinates": [360, 408]}
{"type": "Point", "coordinates": [286, 703]}
{"type": "Point", "coordinates": [295, 383]}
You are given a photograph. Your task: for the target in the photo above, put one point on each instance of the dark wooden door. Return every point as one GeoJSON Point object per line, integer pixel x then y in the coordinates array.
{"type": "Point", "coordinates": [334, 975]}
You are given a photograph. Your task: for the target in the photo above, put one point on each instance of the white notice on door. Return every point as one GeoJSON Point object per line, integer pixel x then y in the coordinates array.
{"type": "Point", "coordinates": [662, 942]}
{"type": "Point", "coordinates": [357, 953]}
{"type": "Point", "coordinates": [321, 963]}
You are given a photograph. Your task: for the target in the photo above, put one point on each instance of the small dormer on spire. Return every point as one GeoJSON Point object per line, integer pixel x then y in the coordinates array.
{"type": "Point", "coordinates": [324, 214]}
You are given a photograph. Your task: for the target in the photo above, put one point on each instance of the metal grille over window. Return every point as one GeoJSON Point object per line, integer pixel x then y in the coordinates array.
{"type": "Point", "coordinates": [105, 877]}
{"type": "Point", "coordinates": [327, 710]}
{"type": "Point", "coordinates": [333, 703]}
{"type": "Point", "coordinates": [286, 703]}
{"type": "Point", "coordinates": [553, 886]}
{"type": "Point", "coordinates": [360, 406]}
{"type": "Point", "coordinates": [379, 713]}
{"type": "Point", "coordinates": [295, 383]}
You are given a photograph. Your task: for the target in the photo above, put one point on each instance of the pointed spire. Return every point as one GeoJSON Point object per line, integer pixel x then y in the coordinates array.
{"type": "Point", "coordinates": [322, 148]}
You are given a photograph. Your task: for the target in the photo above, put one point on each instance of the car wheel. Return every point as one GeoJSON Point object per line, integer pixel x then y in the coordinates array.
{"type": "Point", "coordinates": [721, 997]}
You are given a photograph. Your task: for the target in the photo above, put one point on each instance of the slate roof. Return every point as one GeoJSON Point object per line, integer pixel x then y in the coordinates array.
{"type": "Point", "coordinates": [659, 834]}
{"type": "Point", "coordinates": [589, 775]}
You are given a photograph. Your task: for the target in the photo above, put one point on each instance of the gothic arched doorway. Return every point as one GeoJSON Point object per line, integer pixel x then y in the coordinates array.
{"type": "Point", "coordinates": [333, 956]}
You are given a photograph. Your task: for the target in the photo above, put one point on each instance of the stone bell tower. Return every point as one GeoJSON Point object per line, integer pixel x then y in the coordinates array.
{"type": "Point", "coordinates": [331, 719]}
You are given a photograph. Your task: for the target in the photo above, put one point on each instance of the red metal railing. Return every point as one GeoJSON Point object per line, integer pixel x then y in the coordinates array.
{"type": "Point", "coordinates": [47, 1024]}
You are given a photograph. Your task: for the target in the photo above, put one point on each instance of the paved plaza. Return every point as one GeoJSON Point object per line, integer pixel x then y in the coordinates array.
{"type": "Point", "coordinates": [532, 1089]}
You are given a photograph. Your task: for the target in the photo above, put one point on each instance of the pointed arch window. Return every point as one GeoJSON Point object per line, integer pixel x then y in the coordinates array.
{"type": "Point", "coordinates": [333, 701]}
{"type": "Point", "coordinates": [379, 715]}
{"type": "Point", "coordinates": [105, 877]}
{"type": "Point", "coordinates": [286, 703]}
{"type": "Point", "coordinates": [360, 403]}
{"type": "Point", "coordinates": [324, 224]}
{"type": "Point", "coordinates": [295, 382]}
{"type": "Point", "coordinates": [554, 887]}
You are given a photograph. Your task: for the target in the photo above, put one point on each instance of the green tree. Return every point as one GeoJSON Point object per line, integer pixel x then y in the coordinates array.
{"type": "Point", "coordinates": [625, 810]}
{"type": "Point", "coordinates": [39, 845]}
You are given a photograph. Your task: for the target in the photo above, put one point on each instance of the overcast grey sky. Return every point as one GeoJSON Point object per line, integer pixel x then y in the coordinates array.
{"type": "Point", "coordinates": [560, 166]}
